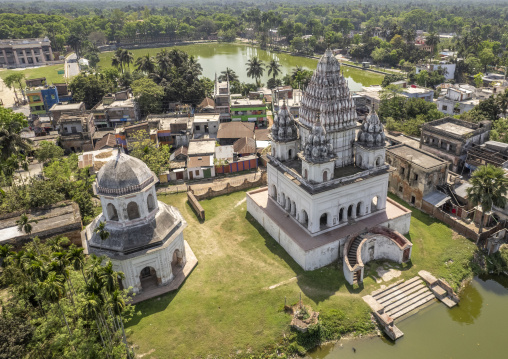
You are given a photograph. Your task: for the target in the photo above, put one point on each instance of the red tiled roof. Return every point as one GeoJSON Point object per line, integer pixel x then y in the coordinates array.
{"type": "Point", "coordinates": [107, 141]}
{"type": "Point", "coordinates": [245, 145]}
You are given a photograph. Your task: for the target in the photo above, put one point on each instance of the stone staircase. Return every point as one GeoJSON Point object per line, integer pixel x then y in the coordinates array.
{"type": "Point", "coordinates": [403, 297]}
{"type": "Point", "coordinates": [351, 254]}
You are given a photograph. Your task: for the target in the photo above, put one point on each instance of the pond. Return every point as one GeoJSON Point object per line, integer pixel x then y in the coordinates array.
{"type": "Point", "coordinates": [476, 328]}
{"type": "Point", "coordinates": [215, 57]}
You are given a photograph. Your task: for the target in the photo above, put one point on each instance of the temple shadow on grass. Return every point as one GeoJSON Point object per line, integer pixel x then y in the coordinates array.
{"type": "Point", "coordinates": [319, 284]}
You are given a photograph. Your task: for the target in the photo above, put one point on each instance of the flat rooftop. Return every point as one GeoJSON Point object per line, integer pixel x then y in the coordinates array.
{"type": "Point", "coordinates": [201, 147]}
{"type": "Point", "coordinates": [416, 156]}
{"type": "Point", "coordinates": [417, 90]}
{"type": "Point", "coordinates": [303, 238]}
{"type": "Point", "coordinates": [67, 107]}
{"type": "Point", "coordinates": [454, 128]}
{"type": "Point", "coordinates": [204, 118]}
{"type": "Point", "coordinates": [247, 102]}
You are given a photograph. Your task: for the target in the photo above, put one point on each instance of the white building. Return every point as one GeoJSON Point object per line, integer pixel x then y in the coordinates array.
{"type": "Point", "coordinates": [449, 69]}
{"type": "Point", "coordinates": [457, 100]}
{"type": "Point", "coordinates": [326, 190]}
{"type": "Point", "coordinates": [145, 236]}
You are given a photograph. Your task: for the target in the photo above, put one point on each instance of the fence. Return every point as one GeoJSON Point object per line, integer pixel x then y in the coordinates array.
{"type": "Point", "coordinates": [232, 185]}
{"type": "Point", "coordinates": [195, 205]}
{"type": "Point", "coordinates": [237, 166]}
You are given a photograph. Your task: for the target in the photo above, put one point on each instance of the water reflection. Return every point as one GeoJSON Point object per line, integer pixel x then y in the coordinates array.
{"type": "Point", "coordinates": [495, 283]}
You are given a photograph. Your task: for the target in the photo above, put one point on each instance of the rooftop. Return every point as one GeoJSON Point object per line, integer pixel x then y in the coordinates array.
{"type": "Point", "coordinates": [455, 128]}
{"type": "Point", "coordinates": [200, 161]}
{"type": "Point", "coordinates": [203, 118]}
{"type": "Point", "coordinates": [68, 107]}
{"type": "Point", "coordinates": [247, 102]}
{"type": "Point", "coordinates": [201, 147]}
{"type": "Point", "coordinates": [416, 156]}
{"type": "Point", "coordinates": [417, 90]}
{"type": "Point", "coordinates": [245, 145]}
{"type": "Point", "coordinates": [236, 129]}
{"type": "Point", "coordinates": [24, 41]}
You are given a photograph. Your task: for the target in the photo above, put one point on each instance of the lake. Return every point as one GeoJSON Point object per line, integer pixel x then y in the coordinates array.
{"type": "Point", "coordinates": [215, 57]}
{"type": "Point", "coordinates": [476, 328]}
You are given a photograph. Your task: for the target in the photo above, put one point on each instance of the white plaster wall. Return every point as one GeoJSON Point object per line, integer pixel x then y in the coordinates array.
{"type": "Point", "coordinates": [400, 224]}
{"type": "Point", "coordinates": [121, 202]}
{"type": "Point", "coordinates": [347, 273]}
{"type": "Point", "coordinates": [384, 248]}
{"type": "Point", "coordinates": [315, 171]}
{"type": "Point", "coordinates": [280, 150]}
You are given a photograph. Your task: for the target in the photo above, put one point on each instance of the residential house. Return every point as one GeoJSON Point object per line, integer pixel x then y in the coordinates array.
{"type": "Point", "coordinates": [245, 146]}
{"type": "Point", "coordinates": [41, 99]}
{"type": "Point", "coordinates": [178, 164]}
{"type": "Point", "coordinates": [448, 68]}
{"type": "Point", "coordinates": [417, 173]}
{"type": "Point", "coordinates": [171, 130]}
{"type": "Point", "coordinates": [76, 131]}
{"type": "Point", "coordinates": [205, 126]}
{"type": "Point", "coordinates": [450, 139]}
{"type": "Point", "coordinates": [60, 109]}
{"type": "Point", "coordinates": [229, 132]}
{"type": "Point", "coordinates": [200, 163]}
{"type": "Point", "coordinates": [127, 134]}
{"type": "Point", "coordinates": [222, 98]}
{"type": "Point", "coordinates": [115, 110]}
{"type": "Point", "coordinates": [457, 99]}
{"type": "Point", "coordinates": [491, 152]}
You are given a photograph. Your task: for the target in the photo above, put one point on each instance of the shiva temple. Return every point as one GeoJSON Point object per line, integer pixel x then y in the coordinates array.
{"type": "Point", "coordinates": [326, 196]}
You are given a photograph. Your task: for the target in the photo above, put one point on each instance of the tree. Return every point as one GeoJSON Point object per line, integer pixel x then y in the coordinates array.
{"type": "Point", "coordinates": [48, 151]}
{"type": "Point", "coordinates": [145, 64]}
{"type": "Point", "coordinates": [75, 42]}
{"type": "Point", "coordinates": [148, 95]}
{"type": "Point", "coordinates": [389, 78]}
{"type": "Point", "coordinates": [478, 80]}
{"type": "Point", "coordinates": [255, 68]}
{"type": "Point", "coordinates": [16, 78]}
{"type": "Point", "coordinates": [274, 68]}
{"type": "Point", "coordinates": [101, 231]}
{"type": "Point", "coordinates": [25, 224]}
{"type": "Point", "coordinates": [488, 188]}
{"type": "Point", "coordinates": [229, 74]}
{"type": "Point", "coordinates": [90, 89]}
{"type": "Point", "coordinates": [487, 58]}
{"type": "Point", "coordinates": [142, 147]}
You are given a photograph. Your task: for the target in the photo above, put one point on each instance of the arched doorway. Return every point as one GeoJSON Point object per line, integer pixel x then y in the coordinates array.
{"type": "Point", "coordinates": [176, 261]}
{"type": "Point", "coordinates": [305, 219]}
{"type": "Point", "coordinates": [378, 161]}
{"type": "Point", "coordinates": [112, 213]}
{"type": "Point", "coordinates": [274, 192]}
{"type": "Point", "coordinates": [148, 278]}
{"type": "Point", "coordinates": [350, 211]}
{"type": "Point", "coordinates": [341, 215]}
{"type": "Point", "coordinates": [290, 154]}
{"type": "Point", "coordinates": [325, 176]}
{"type": "Point", "coordinates": [305, 174]}
{"type": "Point", "coordinates": [133, 210]}
{"type": "Point", "coordinates": [358, 161]}
{"type": "Point", "coordinates": [374, 204]}
{"type": "Point", "coordinates": [359, 211]}
{"type": "Point", "coordinates": [150, 203]}
{"type": "Point", "coordinates": [323, 221]}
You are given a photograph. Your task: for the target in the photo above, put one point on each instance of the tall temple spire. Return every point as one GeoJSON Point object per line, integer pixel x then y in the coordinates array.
{"type": "Point", "coordinates": [371, 133]}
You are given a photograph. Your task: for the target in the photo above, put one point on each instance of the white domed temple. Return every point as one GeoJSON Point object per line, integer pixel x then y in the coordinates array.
{"type": "Point", "coordinates": [326, 197]}
{"type": "Point", "coordinates": [145, 236]}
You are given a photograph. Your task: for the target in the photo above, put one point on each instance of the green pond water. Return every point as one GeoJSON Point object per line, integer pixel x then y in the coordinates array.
{"type": "Point", "coordinates": [476, 328]}
{"type": "Point", "coordinates": [215, 57]}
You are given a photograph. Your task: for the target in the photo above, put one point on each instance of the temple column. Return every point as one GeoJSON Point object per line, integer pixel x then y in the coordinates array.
{"type": "Point", "coordinates": [5, 56]}
{"type": "Point", "coordinates": [33, 56]}
{"type": "Point", "coordinates": [15, 52]}
{"type": "Point", "coordinates": [51, 58]}
{"type": "Point", "coordinates": [26, 58]}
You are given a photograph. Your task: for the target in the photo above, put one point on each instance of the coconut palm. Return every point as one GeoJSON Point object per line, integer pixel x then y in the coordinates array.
{"type": "Point", "coordinates": [502, 101]}
{"type": "Point", "coordinates": [5, 253]}
{"type": "Point", "coordinates": [255, 68]}
{"type": "Point", "coordinates": [91, 308]}
{"type": "Point", "coordinates": [118, 305]}
{"type": "Point", "coordinates": [25, 224]}
{"type": "Point", "coordinates": [145, 64]}
{"type": "Point", "coordinates": [274, 69]}
{"type": "Point", "coordinates": [489, 188]}
{"type": "Point", "coordinates": [163, 62]}
{"type": "Point", "coordinates": [101, 231]}
{"type": "Point", "coordinates": [229, 74]}
{"type": "Point", "coordinates": [127, 58]}
{"type": "Point", "coordinates": [53, 289]}
{"type": "Point", "coordinates": [76, 258]}
{"type": "Point", "coordinates": [11, 142]}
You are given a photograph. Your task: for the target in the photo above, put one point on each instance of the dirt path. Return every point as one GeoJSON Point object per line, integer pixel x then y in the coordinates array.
{"type": "Point", "coordinates": [6, 95]}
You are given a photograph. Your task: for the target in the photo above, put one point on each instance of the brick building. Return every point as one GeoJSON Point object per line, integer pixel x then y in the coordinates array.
{"type": "Point", "coordinates": [25, 52]}
{"type": "Point", "coordinates": [450, 139]}
{"type": "Point", "coordinates": [417, 173]}
{"type": "Point", "coordinates": [76, 132]}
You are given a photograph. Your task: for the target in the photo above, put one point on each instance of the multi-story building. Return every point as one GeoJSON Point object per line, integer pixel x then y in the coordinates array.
{"type": "Point", "coordinates": [59, 109]}
{"type": "Point", "coordinates": [116, 109]}
{"type": "Point", "coordinates": [247, 110]}
{"type": "Point", "coordinates": [76, 131]}
{"type": "Point", "coordinates": [222, 97]}
{"type": "Point", "coordinates": [417, 173]}
{"type": "Point", "coordinates": [171, 130]}
{"type": "Point", "coordinates": [25, 52]}
{"type": "Point", "coordinates": [41, 99]}
{"type": "Point", "coordinates": [457, 100]}
{"type": "Point", "coordinates": [450, 139]}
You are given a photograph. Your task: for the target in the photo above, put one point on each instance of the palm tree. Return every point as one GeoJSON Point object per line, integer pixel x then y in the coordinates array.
{"type": "Point", "coordinates": [274, 69]}
{"type": "Point", "coordinates": [502, 101]}
{"type": "Point", "coordinates": [117, 60]}
{"type": "Point", "coordinates": [91, 308]}
{"type": "Point", "coordinates": [76, 257]}
{"type": "Point", "coordinates": [229, 74]}
{"type": "Point", "coordinates": [11, 142]}
{"type": "Point", "coordinates": [255, 68]}
{"type": "Point", "coordinates": [145, 64]}
{"type": "Point", "coordinates": [101, 231]}
{"type": "Point", "coordinates": [118, 305]}
{"type": "Point", "coordinates": [163, 62]}
{"type": "Point", "coordinates": [295, 72]}
{"type": "Point", "coordinates": [5, 253]}
{"type": "Point", "coordinates": [432, 40]}
{"type": "Point", "coordinates": [52, 290]}
{"type": "Point", "coordinates": [25, 224]}
{"type": "Point", "coordinates": [127, 58]}
{"type": "Point", "coordinates": [489, 188]}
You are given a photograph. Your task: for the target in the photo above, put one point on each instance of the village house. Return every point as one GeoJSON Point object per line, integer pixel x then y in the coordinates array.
{"type": "Point", "coordinates": [116, 109]}
{"type": "Point", "coordinates": [491, 152]}
{"type": "Point", "coordinates": [416, 173]}
{"type": "Point", "coordinates": [76, 132]}
{"type": "Point", "coordinates": [60, 109]}
{"type": "Point", "coordinates": [245, 146]}
{"type": "Point", "coordinates": [457, 100]}
{"type": "Point", "coordinates": [205, 125]}
{"type": "Point", "coordinates": [172, 130]}
{"type": "Point", "coordinates": [448, 68]}
{"type": "Point", "coordinates": [222, 97]}
{"type": "Point", "coordinates": [249, 110]}
{"type": "Point", "coordinates": [450, 139]}
{"type": "Point", "coordinates": [41, 98]}
{"type": "Point", "coordinates": [200, 162]}
{"type": "Point", "coordinates": [127, 134]}
{"type": "Point", "coordinates": [229, 132]}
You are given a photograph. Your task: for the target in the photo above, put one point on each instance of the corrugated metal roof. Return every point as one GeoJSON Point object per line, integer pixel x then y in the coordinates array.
{"type": "Point", "coordinates": [436, 198]}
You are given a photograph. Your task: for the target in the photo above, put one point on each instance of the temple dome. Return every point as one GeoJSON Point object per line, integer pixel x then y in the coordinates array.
{"type": "Point", "coordinates": [318, 148]}
{"type": "Point", "coordinates": [124, 172]}
{"type": "Point", "coordinates": [372, 131]}
{"type": "Point", "coordinates": [328, 94]}
{"type": "Point", "coordinates": [284, 127]}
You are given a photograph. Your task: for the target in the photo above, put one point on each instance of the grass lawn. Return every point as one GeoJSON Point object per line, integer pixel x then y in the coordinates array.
{"type": "Point", "coordinates": [49, 72]}
{"type": "Point", "coordinates": [227, 307]}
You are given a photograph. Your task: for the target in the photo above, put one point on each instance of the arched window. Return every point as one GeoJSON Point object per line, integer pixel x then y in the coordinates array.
{"type": "Point", "coordinates": [325, 176]}
{"type": "Point", "coordinates": [359, 209]}
{"type": "Point", "coordinates": [305, 218]}
{"type": "Point", "coordinates": [350, 211]}
{"type": "Point", "coordinates": [150, 203]}
{"type": "Point", "coordinates": [341, 214]}
{"type": "Point", "coordinates": [133, 210]}
{"type": "Point", "coordinates": [323, 220]}
{"type": "Point", "coordinates": [378, 161]}
{"type": "Point", "coordinates": [374, 204]}
{"type": "Point", "coordinates": [274, 192]}
{"type": "Point", "coordinates": [305, 174]}
{"type": "Point", "coordinates": [112, 213]}
{"type": "Point", "coordinates": [290, 154]}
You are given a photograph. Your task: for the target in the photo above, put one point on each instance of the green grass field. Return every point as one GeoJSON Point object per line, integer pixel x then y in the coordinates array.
{"type": "Point", "coordinates": [226, 307]}
{"type": "Point", "coordinates": [49, 72]}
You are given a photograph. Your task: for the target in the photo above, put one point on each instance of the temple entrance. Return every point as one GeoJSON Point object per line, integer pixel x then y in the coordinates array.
{"type": "Point", "coordinates": [341, 215]}
{"type": "Point", "coordinates": [323, 220]}
{"type": "Point", "coordinates": [176, 261]}
{"type": "Point", "coordinates": [350, 211]}
{"type": "Point", "coordinates": [148, 278]}
{"type": "Point", "coordinates": [305, 219]}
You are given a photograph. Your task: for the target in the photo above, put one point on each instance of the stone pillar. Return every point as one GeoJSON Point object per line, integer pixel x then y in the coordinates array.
{"type": "Point", "coordinates": [24, 55]}
{"type": "Point", "coordinates": [5, 56]}
{"type": "Point", "coordinates": [33, 56]}
{"type": "Point", "coordinates": [15, 52]}
{"type": "Point", "coordinates": [51, 58]}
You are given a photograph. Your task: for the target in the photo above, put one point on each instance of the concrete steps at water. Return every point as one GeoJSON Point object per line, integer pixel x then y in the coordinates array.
{"type": "Point", "coordinates": [410, 305]}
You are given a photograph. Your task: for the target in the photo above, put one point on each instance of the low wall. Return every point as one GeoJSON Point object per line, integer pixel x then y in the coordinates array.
{"type": "Point", "coordinates": [229, 188]}
{"type": "Point", "coordinates": [195, 205]}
